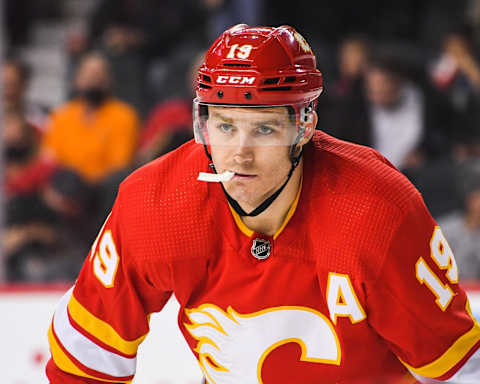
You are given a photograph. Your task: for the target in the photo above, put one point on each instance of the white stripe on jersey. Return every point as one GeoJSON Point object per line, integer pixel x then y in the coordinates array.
{"type": "Point", "coordinates": [86, 351]}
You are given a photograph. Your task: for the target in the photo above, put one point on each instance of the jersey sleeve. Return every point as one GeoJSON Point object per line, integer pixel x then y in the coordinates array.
{"type": "Point", "coordinates": [417, 306]}
{"type": "Point", "coordinates": [100, 322]}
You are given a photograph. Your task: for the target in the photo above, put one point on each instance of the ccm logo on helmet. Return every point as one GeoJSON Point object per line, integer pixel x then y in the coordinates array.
{"type": "Point", "coordinates": [235, 80]}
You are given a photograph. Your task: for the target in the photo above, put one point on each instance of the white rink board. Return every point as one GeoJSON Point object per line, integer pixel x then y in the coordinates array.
{"type": "Point", "coordinates": [163, 358]}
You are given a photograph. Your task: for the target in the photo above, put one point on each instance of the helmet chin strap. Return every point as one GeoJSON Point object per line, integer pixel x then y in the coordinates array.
{"type": "Point", "coordinates": [295, 160]}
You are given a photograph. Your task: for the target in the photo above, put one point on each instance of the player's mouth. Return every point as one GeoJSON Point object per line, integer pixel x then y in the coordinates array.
{"type": "Point", "coordinates": [243, 176]}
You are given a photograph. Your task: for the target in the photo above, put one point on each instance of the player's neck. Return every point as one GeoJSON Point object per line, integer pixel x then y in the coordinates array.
{"type": "Point", "coordinates": [271, 220]}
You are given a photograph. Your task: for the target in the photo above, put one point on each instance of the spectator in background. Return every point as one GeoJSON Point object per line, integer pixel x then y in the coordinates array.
{"type": "Point", "coordinates": [168, 126]}
{"type": "Point", "coordinates": [396, 111]}
{"type": "Point", "coordinates": [46, 232]}
{"type": "Point", "coordinates": [456, 74]}
{"type": "Point", "coordinates": [15, 77]}
{"type": "Point", "coordinates": [462, 228]}
{"type": "Point", "coordinates": [25, 171]}
{"type": "Point", "coordinates": [67, 200]}
{"type": "Point", "coordinates": [28, 235]}
{"type": "Point", "coordinates": [152, 28]}
{"type": "Point", "coordinates": [94, 134]}
{"type": "Point", "coordinates": [353, 54]}
{"type": "Point", "coordinates": [49, 233]}
{"type": "Point", "coordinates": [346, 92]}
{"type": "Point", "coordinates": [411, 128]}
{"type": "Point", "coordinates": [136, 36]}
{"type": "Point", "coordinates": [393, 116]}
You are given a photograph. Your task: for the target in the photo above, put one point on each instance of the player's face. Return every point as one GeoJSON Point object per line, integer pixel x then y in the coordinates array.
{"type": "Point", "coordinates": [383, 89]}
{"type": "Point", "coordinates": [255, 145]}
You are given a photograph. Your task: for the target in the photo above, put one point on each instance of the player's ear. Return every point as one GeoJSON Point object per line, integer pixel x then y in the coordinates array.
{"type": "Point", "coordinates": [309, 128]}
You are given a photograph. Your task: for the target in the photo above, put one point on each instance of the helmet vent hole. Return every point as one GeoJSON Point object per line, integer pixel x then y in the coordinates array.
{"type": "Point", "coordinates": [236, 65]}
{"type": "Point", "coordinates": [207, 78]}
{"type": "Point", "coordinates": [290, 79]}
{"type": "Point", "coordinates": [201, 85]}
{"type": "Point", "coordinates": [272, 80]}
{"type": "Point", "coordinates": [277, 89]}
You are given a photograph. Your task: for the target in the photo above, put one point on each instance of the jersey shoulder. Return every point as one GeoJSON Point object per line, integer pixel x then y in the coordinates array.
{"type": "Point", "coordinates": [163, 206]}
{"type": "Point", "coordinates": [364, 202]}
{"type": "Point", "coordinates": [166, 173]}
{"type": "Point", "coordinates": [362, 173]}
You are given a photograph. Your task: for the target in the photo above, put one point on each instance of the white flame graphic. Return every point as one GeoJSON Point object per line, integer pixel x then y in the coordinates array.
{"type": "Point", "coordinates": [232, 346]}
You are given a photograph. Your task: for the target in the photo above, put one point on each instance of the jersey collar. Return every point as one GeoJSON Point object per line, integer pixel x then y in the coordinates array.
{"type": "Point", "coordinates": [249, 232]}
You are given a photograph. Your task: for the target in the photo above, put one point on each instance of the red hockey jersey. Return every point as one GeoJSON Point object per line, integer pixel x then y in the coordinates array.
{"type": "Point", "coordinates": [358, 286]}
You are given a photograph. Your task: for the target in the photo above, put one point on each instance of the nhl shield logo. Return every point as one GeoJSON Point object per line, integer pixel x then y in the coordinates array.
{"type": "Point", "coordinates": [260, 249]}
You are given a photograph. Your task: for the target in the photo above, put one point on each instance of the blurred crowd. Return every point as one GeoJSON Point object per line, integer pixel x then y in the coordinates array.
{"type": "Point", "coordinates": [402, 77]}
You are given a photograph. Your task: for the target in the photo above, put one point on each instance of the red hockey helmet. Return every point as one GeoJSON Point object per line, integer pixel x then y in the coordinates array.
{"type": "Point", "coordinates": [259, 66]}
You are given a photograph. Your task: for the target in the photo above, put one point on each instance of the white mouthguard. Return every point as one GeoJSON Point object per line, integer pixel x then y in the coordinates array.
{"type": "Point", "coordinates": [215, 177]}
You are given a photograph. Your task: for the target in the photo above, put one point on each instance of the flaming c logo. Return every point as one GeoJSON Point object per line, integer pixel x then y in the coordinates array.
{"type": "Point", "coordinates": [232, 346]}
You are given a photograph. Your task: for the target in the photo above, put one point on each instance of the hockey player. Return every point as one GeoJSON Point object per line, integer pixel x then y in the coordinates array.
{"type": "Point", "coordinates": [295, 257]}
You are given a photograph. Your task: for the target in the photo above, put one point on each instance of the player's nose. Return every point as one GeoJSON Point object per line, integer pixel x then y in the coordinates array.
{"type": "Point", "coordinates": [243, 153]}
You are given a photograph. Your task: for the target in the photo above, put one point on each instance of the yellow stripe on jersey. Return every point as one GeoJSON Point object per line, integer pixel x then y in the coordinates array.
{"type": "Point", "coordinates": [245, 230]}
{"type": "Point", "coordinates": [63, 362]}
{"type": "Point", "coordinates": [248, 232]}
{"type": "Point", "coordinates": [453, 355]}
{"type": "Point", "coordinates": [101, 330]}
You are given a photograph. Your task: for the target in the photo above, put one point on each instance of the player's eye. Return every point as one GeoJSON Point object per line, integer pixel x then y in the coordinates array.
{"type": "Point", "coordinates": [265, 130]}
{"type": "Point", "coordinates": [225, 127]}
